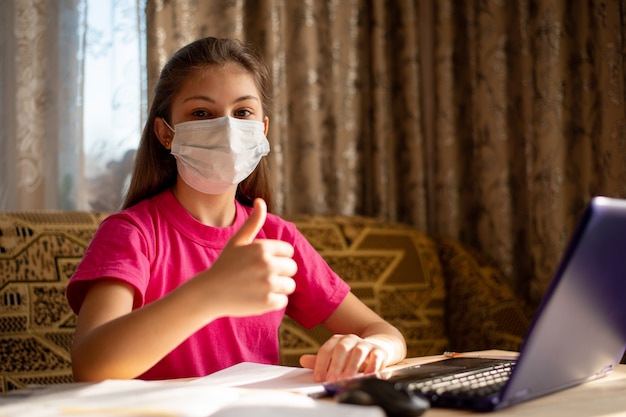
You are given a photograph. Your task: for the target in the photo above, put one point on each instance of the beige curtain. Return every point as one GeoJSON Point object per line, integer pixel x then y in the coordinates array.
{"type": "Point", "coordinates": [490, 122]}
{"type": "Point", "coordinates": [70, 92]}
{"type": "Point", "coordinates": [40, 73]}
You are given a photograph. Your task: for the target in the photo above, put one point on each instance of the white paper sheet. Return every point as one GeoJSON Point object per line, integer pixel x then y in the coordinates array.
{"type": "Point", "coordinates": [260, 376]}
{"type": "Point", "coordinates": [269, 391]}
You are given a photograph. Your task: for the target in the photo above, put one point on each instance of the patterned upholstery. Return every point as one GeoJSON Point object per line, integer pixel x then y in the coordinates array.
{"type": "Point", "coordinates": [38, 254]}
{"type": "Point", "coordinates": [393, 268]}
{"type": "Point", "coordinates": [439, 294]}
{"type": "Point", "coordinates": [478, 295]}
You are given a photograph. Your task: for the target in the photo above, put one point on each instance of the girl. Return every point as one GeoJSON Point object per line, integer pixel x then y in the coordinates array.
{"type": "Point", "coordinates": [193, 275]}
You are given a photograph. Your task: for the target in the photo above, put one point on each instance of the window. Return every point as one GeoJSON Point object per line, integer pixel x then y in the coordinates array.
{"type": "Point", "coordinates": [114, 96]}
{"type": "Point", "coordinates": [72, 102]}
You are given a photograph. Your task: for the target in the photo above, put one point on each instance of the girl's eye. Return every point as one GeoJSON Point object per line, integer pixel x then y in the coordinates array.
{"type": "Point", "coordinates": [201, 113]}
{"type": "Point", "coordinates": [243, 113]}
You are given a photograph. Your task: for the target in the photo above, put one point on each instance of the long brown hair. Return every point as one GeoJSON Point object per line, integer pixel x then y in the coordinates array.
{"type": "Point", "coordinates": [155, 168]}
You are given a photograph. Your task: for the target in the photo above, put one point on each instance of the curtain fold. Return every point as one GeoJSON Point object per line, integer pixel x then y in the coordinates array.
{"type": "Point", "coordinates": [39, 103]}
{"type": "Point", "coordinates": [529, 125]}
{"type": "Point", "coordinates": [490, 122]}
{"type": "Point", "coordinates": [346, 129]}
{"type": "Point", "coordinates": [71, 85]}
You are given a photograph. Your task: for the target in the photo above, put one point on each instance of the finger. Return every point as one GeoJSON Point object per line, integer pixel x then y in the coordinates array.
{"type": "Point", "coordinates": [326, 360]}
{"type": "Point", "coordinates": [246, 234]}
{"type": "Point", "coordinates": [277, 301]}
{"type": "Point", "coordinates": [322, 360]}
{"type": "Point", "coordinates": [283, 285]}
{"type": "Point", "coordinates": [308, 361]}
{"type": "Point", "coordinates": [355, 360]}
{"type": "Point", "coordinates": [276, 247]}
{"type": "Point", "coordinates": [375, 361]}
{"type": "Point", "coordinates": [342, 354]}
{"type": "Point", "coordinates": [285, 265]}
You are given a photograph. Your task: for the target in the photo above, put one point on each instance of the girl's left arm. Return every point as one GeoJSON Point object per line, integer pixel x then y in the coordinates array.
{"type": "Point", "coordinates": [362, 342]}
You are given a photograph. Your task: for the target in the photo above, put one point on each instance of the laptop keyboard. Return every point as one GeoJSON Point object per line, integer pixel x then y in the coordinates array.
{"type": "Point", "coordinates": [480, 383]}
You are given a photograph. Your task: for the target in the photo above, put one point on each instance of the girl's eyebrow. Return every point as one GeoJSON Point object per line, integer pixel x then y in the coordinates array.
{"type": "Point", "coordinates": [210, 100]}
{"type": "Point", "coordinates": [244, 98]}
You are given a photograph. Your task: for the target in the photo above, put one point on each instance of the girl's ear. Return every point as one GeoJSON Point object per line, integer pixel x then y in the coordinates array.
{"type": "Point", "coordinates": [163, 132]}
{"type": "Point", "coordinates": [266, 124]}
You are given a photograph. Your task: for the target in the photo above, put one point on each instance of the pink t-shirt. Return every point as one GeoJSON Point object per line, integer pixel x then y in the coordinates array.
{"type": "Point", "coordinates": [156, 245]}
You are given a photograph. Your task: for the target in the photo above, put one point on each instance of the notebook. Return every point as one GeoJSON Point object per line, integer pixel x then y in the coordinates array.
{"type": "Point", "coordinates": [578, 333]}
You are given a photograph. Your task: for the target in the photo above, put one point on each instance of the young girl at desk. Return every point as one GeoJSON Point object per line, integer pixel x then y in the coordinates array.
{"type": "Point", "coordinates": [194, 275]}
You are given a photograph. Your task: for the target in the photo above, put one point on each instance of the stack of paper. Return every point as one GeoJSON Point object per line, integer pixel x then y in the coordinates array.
{"type": "Point", "coordinates": [243, 390]}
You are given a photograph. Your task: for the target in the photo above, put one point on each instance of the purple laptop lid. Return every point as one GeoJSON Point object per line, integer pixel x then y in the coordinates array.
{"type": "Point", "coordinates": [579, 331]}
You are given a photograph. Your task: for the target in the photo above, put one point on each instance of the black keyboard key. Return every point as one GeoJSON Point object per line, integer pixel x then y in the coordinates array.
{"type": "Point", "coordinates": [469, 384]}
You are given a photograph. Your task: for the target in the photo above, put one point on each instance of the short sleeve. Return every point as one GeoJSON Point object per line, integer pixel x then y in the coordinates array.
{"type": "Point", "coordinates": [120, 249]}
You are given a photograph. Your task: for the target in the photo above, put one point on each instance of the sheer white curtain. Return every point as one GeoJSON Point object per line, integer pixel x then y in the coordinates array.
{"type": "Point", "coordinates": [73, 96]}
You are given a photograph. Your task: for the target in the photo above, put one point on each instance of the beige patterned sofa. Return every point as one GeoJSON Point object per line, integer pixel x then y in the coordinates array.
{"type": "Point", "coordinates": [437, 292]}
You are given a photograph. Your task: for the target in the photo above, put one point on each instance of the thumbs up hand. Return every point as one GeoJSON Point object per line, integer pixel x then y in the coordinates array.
{"type": "Point", "coordinates": [251, 276]}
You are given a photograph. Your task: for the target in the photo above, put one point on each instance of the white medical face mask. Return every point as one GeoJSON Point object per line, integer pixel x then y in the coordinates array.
{"type": "Point", "coordinates": [215, 155]}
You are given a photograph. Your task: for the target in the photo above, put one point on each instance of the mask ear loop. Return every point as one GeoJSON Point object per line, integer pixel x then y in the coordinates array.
{"type": "Point", "coordinates": [168, 125]}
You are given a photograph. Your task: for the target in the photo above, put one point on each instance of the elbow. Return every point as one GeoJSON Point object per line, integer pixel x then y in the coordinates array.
{"type": "Point", "coordinates": [87, 373]}
{"type": "Point", "coordinates": [88, 367]}
{"type": "Point", "coordinates": [83, 372]}
{"type": "Point", "coordinates": [81, 376]}
{"type": "Point", "coordinates": [92, 365]}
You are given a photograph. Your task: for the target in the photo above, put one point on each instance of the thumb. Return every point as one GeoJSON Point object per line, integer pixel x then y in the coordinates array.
{"type": "Point", "coordinates": [246, 234]}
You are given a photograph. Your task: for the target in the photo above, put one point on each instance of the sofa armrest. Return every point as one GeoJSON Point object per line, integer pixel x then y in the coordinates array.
{"type": "Point", "coordinates": [39, 251]}
{"type": "Point", "coordinates": [482, 310]}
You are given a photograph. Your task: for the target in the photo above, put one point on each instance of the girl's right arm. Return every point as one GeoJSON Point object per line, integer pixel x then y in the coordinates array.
{"type": "Point", "coordinates": [113, 341]}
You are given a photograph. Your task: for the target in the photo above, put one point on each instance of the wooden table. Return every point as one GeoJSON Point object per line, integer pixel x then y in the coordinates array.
{"type": "Point", "coordinates": [604, 397]}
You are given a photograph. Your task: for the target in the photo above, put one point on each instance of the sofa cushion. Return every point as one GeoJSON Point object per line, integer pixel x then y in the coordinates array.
{"type": "Point", "coordinates": [400, 272]}
{"type": "Point", "coordinates": [393, 268]}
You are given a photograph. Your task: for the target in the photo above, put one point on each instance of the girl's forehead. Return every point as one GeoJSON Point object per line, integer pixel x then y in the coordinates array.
{"type": "Point", "coordinates": [221, 70]}
{"type": "Point", "coordinates": [223, 82]}
{"type": "Point", "coordinates": [219, 75]}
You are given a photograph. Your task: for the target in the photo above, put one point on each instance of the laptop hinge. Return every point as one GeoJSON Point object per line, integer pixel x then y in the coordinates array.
{"type": "Point", "coordinates": [605, 370]}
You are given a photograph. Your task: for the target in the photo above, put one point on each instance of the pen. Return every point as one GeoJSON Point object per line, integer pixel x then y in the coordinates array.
{"type": "Point", "coordinates": [320, 394]}
{"type": "Point", "coordinates": [125, 412]}
{"type": "Point", "coordinates": [449, 354]}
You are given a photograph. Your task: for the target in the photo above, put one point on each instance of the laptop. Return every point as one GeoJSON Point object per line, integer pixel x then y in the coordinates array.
{"type": "Point", "coordinates": [578, 333]}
